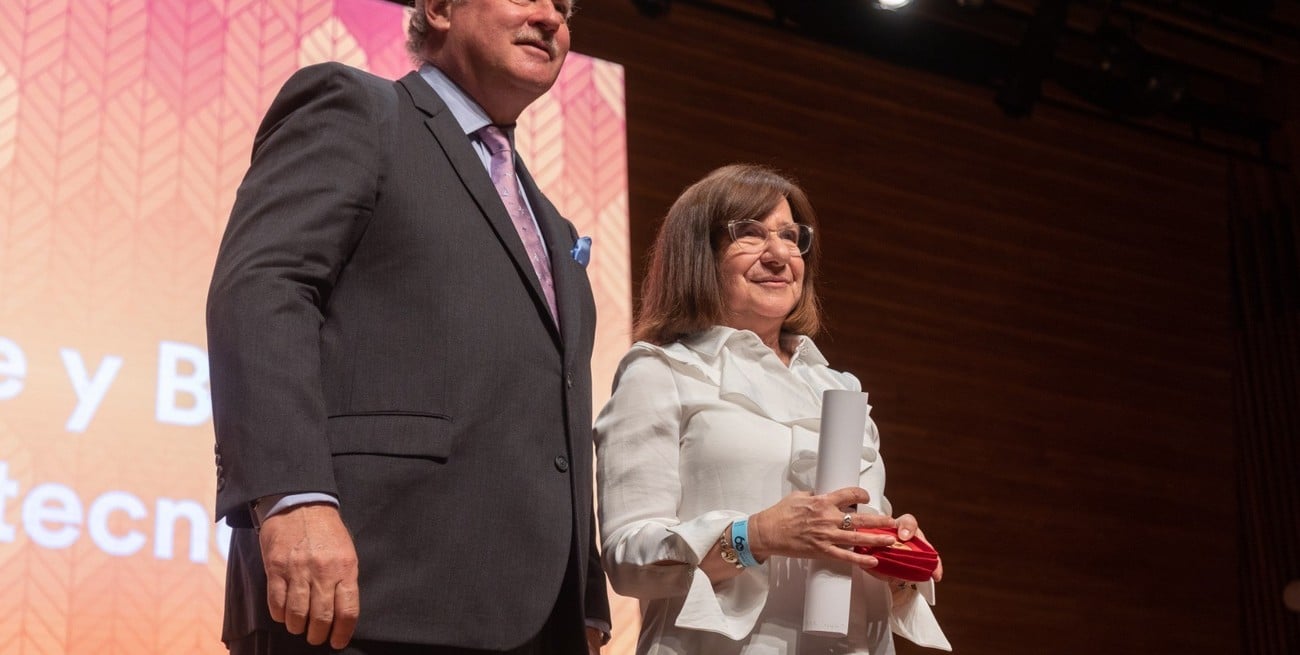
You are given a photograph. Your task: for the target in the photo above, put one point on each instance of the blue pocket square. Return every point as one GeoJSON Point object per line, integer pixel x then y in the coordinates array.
{"type": "Point", "coordinates": [582, 251]}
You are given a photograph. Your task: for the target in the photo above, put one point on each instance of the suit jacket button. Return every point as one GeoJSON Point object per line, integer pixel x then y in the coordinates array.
{"type": "Point", "coordinates": [568, 380]}
{"type": "Point", "coordinates": [561, 463]}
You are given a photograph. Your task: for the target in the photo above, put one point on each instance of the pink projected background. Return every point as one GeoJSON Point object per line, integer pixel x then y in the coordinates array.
{"type": "Point", "coordinates": [125, 127]}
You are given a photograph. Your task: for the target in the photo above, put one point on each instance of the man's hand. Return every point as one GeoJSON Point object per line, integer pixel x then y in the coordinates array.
{"type": "Point", "coordinates": [594, 637]}
{"type": "Point", "coordinates": [311, 573]}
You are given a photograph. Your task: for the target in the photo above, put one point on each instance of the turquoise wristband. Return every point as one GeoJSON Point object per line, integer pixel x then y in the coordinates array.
{"type": "Point", "coordinates": [740, 541]}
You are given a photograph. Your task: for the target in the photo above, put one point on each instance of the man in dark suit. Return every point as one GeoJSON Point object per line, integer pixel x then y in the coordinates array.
{"type": "Point", "coordinates": [402, 397]}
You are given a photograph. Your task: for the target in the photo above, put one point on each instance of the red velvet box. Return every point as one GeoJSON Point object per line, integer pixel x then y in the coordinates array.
{"type": "Point", "coordinates": [913, 560]}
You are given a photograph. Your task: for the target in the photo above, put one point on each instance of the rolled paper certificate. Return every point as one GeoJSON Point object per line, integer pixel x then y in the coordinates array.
{"type": "Point", "coordinates": [839, 460]}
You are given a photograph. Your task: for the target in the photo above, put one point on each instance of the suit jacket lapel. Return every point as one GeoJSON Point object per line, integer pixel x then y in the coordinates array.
{"type": "Point", "coordinates": [451, 138]}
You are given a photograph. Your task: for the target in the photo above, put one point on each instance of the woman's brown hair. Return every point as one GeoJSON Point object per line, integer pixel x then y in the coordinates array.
{"type": "Point", "coordinates": [682, 290]}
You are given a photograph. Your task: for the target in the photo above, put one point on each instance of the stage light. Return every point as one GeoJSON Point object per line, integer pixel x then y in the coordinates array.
{"type": "Point", "coordinates": [892, 5]}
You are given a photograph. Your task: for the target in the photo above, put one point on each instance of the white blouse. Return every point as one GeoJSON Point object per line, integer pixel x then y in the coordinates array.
{"type": "Point", "coordinates": [708, 430]}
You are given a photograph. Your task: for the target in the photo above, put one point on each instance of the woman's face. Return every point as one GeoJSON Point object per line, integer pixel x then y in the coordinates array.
{"type": "Point", "coordinates": [760, 287]}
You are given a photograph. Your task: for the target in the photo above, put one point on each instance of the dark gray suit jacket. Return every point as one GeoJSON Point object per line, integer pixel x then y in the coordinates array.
{"type": "Point", "coordinates": [376, 332]}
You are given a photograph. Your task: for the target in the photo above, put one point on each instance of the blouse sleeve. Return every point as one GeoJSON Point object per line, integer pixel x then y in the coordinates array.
{"type": "Point", "coordinates": [912, 618]}
{"type": "Point", "coordinates": [648, 551]}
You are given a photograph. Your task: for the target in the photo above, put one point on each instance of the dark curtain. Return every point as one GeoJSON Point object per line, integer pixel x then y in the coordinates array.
{"type": "Point", "coordinates": [1266, 400]}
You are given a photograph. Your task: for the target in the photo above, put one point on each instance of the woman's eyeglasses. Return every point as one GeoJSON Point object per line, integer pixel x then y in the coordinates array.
{"type": "Point", "coordinates": [752, 236]}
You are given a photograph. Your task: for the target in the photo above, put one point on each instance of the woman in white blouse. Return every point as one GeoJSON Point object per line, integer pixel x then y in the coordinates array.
{"type": "Point", "coordinates": [709, 442]}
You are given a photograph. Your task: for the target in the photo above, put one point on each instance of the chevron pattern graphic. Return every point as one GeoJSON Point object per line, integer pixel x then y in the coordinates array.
{"type": "Point", "coordinates": [125, 127]}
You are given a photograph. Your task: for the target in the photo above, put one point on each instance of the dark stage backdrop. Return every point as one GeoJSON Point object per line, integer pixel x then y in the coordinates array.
{"type": "Point", "coordinates": [1039, 309]}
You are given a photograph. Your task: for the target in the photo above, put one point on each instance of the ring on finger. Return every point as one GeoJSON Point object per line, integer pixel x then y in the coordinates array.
{"type": "Point", "coordinates": [847, 522]}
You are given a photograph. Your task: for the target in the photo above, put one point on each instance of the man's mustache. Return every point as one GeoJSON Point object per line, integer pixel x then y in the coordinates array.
{"type": "Point", "coordinates": [539, 39]}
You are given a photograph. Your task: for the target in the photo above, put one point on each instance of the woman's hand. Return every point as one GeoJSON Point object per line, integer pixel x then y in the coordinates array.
{"type": "Point", "coordinates": [907, 529]}
{"type": "Point", "coordinates": [812, 527]}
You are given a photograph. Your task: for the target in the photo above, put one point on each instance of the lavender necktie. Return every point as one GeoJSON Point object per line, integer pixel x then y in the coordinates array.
{"type": "Point", "coordinates": [503, 176]}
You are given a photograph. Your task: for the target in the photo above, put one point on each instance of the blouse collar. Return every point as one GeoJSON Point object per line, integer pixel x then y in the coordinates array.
{"type": "Point", "coordinates": [708, 344]}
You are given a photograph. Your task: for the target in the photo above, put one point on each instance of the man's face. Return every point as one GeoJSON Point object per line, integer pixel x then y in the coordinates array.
{"type": "Point", "coordinates": [504, 53]}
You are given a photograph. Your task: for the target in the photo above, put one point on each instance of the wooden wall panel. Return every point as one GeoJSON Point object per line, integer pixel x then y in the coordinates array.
{"type": "Point", "coordinates": [1038, 308]}
{"type": "Point", "coordinates": [1266, 320]}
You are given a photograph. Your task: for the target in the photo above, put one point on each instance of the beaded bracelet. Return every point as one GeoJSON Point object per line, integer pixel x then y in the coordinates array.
{"type": "Point", "coordinates": [727, 552]}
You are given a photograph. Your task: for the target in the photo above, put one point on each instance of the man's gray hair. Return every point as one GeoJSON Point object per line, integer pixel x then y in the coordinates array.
{"type": "Point", "coordinates": [417, 31]}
